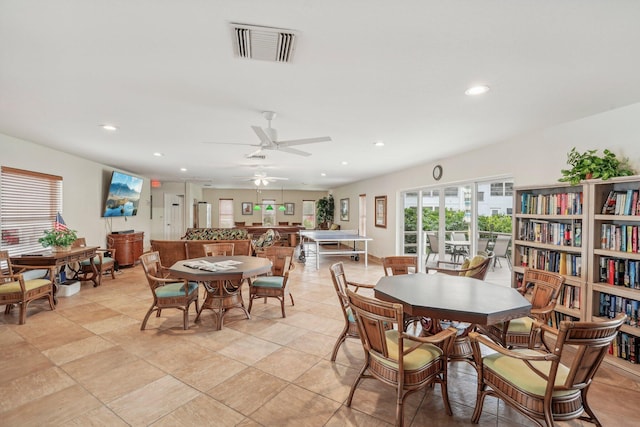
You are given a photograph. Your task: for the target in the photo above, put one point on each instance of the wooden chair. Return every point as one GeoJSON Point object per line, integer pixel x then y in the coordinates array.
{"type": "Point", "coordinates": [213, 249]}
{"type": "Point", "coordinates": [16, 290]}
{"type": "Point", "coordinates": [167, 292]}
{"type": "Point", "coordinates": [476, 267]}
{"type": "Point", "coordinates": [341, 284]}
{"type": "Point", "coordinates": [422, 363]}
{"type": "Point", "coordinates": [275, 285]}
{"type": "Point", "coordinates": [402, 264]}
{"type": "Point", "coordinates": [545, 287]}
{"type": "Point", "coordinates": [104, 261]}
{"type": "Point", "coordinates": [536, 383]}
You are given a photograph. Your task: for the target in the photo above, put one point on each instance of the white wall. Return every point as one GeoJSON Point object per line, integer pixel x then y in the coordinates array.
{"type": "Point", "coordinates": [296, 197]}
{"type": "Point", "coordinates": [84, 189]}
{"type": "Point", "coordinates": [532, 159]}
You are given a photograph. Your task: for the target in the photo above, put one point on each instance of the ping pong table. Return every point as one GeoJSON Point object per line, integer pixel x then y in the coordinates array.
{"type": "Point", "coordinates": [312, 241]}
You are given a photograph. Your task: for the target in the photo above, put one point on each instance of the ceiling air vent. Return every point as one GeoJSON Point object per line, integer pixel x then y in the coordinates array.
{"type": "Point", "coordinates": [264, 43]}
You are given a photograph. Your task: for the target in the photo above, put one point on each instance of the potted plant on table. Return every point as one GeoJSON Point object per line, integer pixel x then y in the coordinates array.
{"type": "Point", "coordinates": [58, 240]}
{"type": "Point", "coordinates": [589, 165]}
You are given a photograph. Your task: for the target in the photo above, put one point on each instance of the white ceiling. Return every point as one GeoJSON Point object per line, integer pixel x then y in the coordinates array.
{"type": "Point", "coordinates": [164, 72]}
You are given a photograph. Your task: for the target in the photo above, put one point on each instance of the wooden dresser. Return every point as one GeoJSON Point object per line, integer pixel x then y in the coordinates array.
{"type": "Point", "coordinates": [128, 246]}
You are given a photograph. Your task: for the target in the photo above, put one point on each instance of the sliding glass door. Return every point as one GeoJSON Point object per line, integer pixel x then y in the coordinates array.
{"type": "Point", "coordinates": [456, 221]}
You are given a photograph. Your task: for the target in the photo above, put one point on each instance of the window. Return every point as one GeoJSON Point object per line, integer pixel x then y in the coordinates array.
{"type": "Point", "coordinates": [508, 189]}
{"type": "Point", "coordinates": [502, 189]}
{"type": "Point", "coordinates": [481, 196]}
{"type": "Point", "coordinates": [225, 215]}
{"type": "Point", "coordinates": [269, 212]}
{"type": "Point", "coordinates": [497, 189]}
{"type": "Point", "coordinates": [362, 214]}
{"type": "Point", "coordinates": [309, 214]}
{"type": "Point", "coordinates": [495, 211]}
{"type": "Point", "coordinates": [451, 192]}
{"type": "Point", "coordinates": [29, 204]}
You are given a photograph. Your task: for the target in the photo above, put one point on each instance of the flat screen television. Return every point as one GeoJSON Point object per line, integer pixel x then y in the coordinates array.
{"type": "Point", "coordinates": [123, 196]}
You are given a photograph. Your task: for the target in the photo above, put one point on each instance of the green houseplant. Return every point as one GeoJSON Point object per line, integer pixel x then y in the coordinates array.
{"type": "Point", "coordinates": [58, 239]}
{"type": "Point", "coordinates": [325, 210]}
{"type": "Point", "coordinates": [589, 165]}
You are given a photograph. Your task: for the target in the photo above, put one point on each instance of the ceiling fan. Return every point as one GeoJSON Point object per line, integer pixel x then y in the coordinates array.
{"type": "Point", "coordinates": [269, 139]}
{"type": "Point", "coordinates": [261, 178]}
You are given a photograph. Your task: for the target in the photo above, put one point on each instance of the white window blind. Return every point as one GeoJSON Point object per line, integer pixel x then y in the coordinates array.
{"type": "Point", "coordinates": [28, 205]}
{"type": "Point", "coordinates": [225, 215]}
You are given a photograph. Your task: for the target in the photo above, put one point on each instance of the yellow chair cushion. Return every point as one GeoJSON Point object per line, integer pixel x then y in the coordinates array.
{"type": "Point", "coordinates": [464, 266]}
{"type": "Point", "coordinates": [421, 356]}
{"type": "Point", "coordinates": [521, 325]}
{"type": "Point", "coordinates": [519, 374]}
{"type": "Point", "coordinates": [12, 287]}
{"type": "Point", "coordinates": [475, 261]}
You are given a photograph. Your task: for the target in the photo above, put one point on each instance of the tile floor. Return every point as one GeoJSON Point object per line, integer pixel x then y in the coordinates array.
{"type": "Point", "coordinates": [88, 363]}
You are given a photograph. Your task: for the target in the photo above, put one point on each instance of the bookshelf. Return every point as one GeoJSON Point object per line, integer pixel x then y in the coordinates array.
{"type": "Point", "coordinates": [613, 273]}
{"type": "Point", "coordinates": [548, 227]}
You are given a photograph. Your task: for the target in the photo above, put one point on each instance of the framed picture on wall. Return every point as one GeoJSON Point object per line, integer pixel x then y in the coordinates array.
{"type": "Point", "coordinates": [247, 208]}
{"type": "Point", "coordinates": [344, 209]}
{"type": "Point", "coordinates": [289, 208]}
{"type": "Point", "coordinates": [381, 211]}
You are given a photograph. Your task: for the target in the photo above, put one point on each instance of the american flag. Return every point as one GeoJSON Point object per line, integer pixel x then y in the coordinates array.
{"type": "Point", "coordinates": [59, 224]}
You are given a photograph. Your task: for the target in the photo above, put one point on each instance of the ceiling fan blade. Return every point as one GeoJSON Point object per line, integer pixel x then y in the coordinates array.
{"type": "Point", "coordinates": [264, 138]}
{"type": "Point", "coordinates": [303, 141]}
{"type": "Point", "coordinates": [230, 143]}
{"type": "Point", "coordinates": [293, 151]}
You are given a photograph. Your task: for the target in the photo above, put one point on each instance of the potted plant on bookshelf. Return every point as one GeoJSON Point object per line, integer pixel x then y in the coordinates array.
{"type": "Point", "coordinates": [590, 165]}
{"type": "Point", "coordinates": [58, 240]}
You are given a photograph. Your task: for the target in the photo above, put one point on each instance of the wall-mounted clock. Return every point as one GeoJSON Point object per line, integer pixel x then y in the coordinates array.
{"type": "Point", "coordinates": [437, 172]}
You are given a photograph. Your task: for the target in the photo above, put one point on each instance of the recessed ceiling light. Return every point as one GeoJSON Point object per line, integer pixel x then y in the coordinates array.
{"type": "Point", "coordinates": [476, 90]}
{"type": "Point", "coordinates": [183, 169]}
{"type": "Point", "coordinates": [110, 128]}
{"type": "Point", "coordinates": [379, 144]}
{"type": "Point", "coordinates": [344, 162]}
{"type": "Point", "coordinates": [323, 174]}
{"type": "Point", "coordinates": [157, 154]}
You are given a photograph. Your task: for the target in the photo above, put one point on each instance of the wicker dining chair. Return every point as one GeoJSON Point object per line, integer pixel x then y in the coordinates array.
{"type": "Point", "coordinates": [104, 262]}
{"type": "Point", "coordinates": [274, 285]}
{"type": "Point", "coordinates": [399, 264]}
{"type": "Point", "coordinates": [167, 292]}
{"type": "Point", "coordinates": [422, 363]}
{"type": "Point", "coordinates": [536, 383]}
{"type": "Point", "coordinates": [341, 284]}
{"type": "Point", "coordinates": [213, 249]}
{"type": "Point", "coordinates": [15, 289]}
{"type": "Point", "coordinates": [402, 264]}
{"type": "Point", "coordinates": [545, 287]}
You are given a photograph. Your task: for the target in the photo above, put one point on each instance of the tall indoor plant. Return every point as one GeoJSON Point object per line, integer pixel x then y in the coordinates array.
{"type": "Point", "coordinates": [325, 211]}
{"type": "Point", "coordinates": [590, 165]}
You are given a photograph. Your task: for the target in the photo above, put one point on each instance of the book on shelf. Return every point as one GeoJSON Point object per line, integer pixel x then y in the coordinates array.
{"type": "Point", "coordinates": [609, 205]}
{"type": "Point", "coordinates": [634, 203]}
{"type": "Point", "coordinates": [623, 202]}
